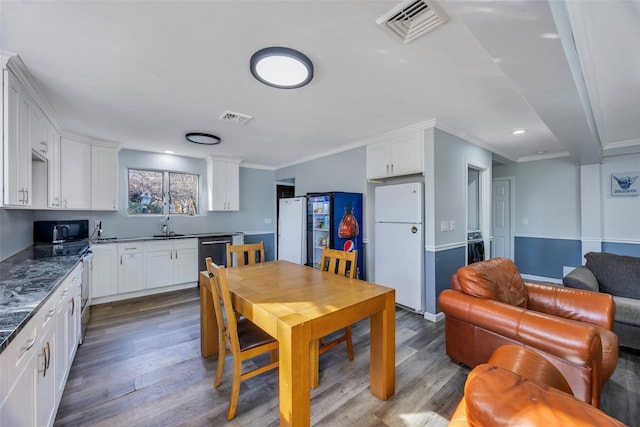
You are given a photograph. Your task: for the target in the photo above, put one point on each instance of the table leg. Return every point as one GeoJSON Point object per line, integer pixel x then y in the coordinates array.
{"type": "Point", "coordinates": [383, 349]}
{"type": "Point", "coordinates": [294, 338]}
{"type": "Point", "coordinates": [314, 353]}
{"type": "Point", "coordinates": [208, 323]}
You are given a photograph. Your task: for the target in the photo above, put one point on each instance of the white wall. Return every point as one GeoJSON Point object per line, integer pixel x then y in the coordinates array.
{"type": "Point", "coordinates": [547, 194]}
{"type": "Point", "coordinates": [620, 215]}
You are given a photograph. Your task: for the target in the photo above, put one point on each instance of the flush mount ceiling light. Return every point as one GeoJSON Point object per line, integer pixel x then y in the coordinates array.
{"type": "Point", "coordinates": [519, 131]}
{"type": "Point", "coordinates": [281, 67]}
{"type": "Point", "coordinates": [202, 138]}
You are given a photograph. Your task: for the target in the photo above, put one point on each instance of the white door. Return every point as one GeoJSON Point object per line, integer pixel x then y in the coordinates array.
{"type": "Point", "coordinates": [291, 230]}
{"type": "Point", "coordinates": [501, 218]}
{"type": "Point", "coordinates": [398, 261]}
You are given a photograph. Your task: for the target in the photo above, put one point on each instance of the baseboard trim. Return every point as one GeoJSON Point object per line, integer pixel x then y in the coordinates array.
{"type": "Point", "coordinates": [434, 317]}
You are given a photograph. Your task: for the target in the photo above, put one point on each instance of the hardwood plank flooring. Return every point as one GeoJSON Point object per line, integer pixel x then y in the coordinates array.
{"type": "Point", "coordinates": [140, 365]}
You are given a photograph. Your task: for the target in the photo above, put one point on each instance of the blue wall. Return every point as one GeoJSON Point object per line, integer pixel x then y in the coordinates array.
{"type": "Point", "coordinates": [546, 257]}
{"type": "Point", "coordinates": [269, 243]}
{"type": "Point", "coordinates": [629, 249]}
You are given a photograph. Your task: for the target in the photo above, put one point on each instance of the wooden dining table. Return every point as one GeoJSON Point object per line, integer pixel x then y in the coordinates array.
{"type": "Point", "coordinates": [298, 305]}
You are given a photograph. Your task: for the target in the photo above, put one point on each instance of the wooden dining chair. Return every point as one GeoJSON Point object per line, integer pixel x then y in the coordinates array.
{"type": "Point", "coordinates": [247, 254]}
{"type": "Point", "coordinates": [345, 264]}
{"type": "Point", "coordinates": [239, 337]}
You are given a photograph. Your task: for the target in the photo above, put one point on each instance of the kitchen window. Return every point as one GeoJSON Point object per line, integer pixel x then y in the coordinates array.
{"type": "Point", "coordinates": [162, 192]}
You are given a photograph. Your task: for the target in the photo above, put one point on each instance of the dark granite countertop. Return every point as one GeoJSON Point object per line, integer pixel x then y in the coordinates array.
{"type": "Point", "coordinates": [172, 237]}
{"type": "Point", "coordinates": [26, 282]}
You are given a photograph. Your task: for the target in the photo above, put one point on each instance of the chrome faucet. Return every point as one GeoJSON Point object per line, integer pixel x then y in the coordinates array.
{"type": "Point", "coordinates": [165, 227]}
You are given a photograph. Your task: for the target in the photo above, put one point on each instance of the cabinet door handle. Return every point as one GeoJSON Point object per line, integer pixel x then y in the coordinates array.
{"type": "Point", "coordinates": [51, 313]}
{"type": "Point", "coordinates": [387, 169]}
{"type": "Point", "coordinates": [114, 203]}
{"type": "Point", "coordinates": [176, 254]}
{"type": "Point", "coordinates": [120, 259]}
{"type": "Point", "coordinates": [171, 255]}
{"type": "Point", "coordinates": [73, 307]}
{"type": "Point", "coordinates": [391, 167]}
{"type": "Point", "coordinates": [28, 344]}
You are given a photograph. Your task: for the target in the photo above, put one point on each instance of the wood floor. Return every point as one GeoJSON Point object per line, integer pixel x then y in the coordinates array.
{"type": "Point", "coordinates": [140, 365]}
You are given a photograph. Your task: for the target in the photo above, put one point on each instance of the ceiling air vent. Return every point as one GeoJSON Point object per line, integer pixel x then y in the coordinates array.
{"type": "Point", "coordinates": [413, 18]}
{"type": "Point", "coordinates": [236, 118]}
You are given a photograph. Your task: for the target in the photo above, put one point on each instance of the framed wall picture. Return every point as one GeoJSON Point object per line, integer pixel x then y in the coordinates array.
{"type": "Point", "coordinates": [625, 183]}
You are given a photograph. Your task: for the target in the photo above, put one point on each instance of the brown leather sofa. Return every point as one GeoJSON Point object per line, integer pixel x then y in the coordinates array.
{"type": "Point", "coordinates": [489, 305]}
{"type": "Point", "coordinates": [520, 387]}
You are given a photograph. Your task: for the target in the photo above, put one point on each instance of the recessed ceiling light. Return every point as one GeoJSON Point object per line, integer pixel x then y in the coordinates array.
{"type": "Point", "coordinates": [202, 138]}
{"type": "Point", "coordinates": [519, 131]}
{"type": "Point", "coordinates": [169, 152]}
{"type": "Point", "coordinates": [281, 67]}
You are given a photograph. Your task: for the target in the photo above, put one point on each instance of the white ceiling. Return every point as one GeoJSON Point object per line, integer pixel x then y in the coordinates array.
{"type": "Point", "coordinates": [144, 73]}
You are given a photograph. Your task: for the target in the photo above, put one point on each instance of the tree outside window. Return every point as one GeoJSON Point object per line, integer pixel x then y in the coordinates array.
{"type": "Point", "coordinates": [162, 192]}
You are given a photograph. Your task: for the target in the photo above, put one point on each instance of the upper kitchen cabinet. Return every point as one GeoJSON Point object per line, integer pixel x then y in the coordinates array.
{"type": "Point", "coordinates": [53, 151]}
{"type": "Point", "coordinates": [223, 183]}
{"type": "Point", "coordinates": [399, 155]}
{"type": "Point", "coordinates": [75, 174]}
{"type": "Point", "coordinates": [104, 178]}
{"type": "Point", "coordinates": [17, 148]}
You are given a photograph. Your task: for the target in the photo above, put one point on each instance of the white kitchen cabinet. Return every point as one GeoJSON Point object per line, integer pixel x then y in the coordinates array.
{"type": "Point", "coordinates": [223, 182]}
{"type": "Point", "coordinates": [61, 355]}
{"type": "Point", "coordinates": [38, 131]}
{"type": "Point", "coordinates": [104, 276]}
{"type": "Point", "coordinates": [18, 379]}
{"type": "Point", "coordinates": [53, 148]}
{"type": "Point", "coordinates": [130, 267]}
{"type": "Point", "coordinates": [104, 178]}
{"type": "Point", "coordinates": [73, 312]}
{"type": "Point", "coordinates": [185, 263]}
{"type": "Point", "coordinates": [400, 155]}
{"type": "Point", "coordinates": [158, 263]}
{"type": "Point", "coordinates": [45, 366]}
{"type": "Point", "coordinates": [75, 174]}
{"type": "Point", "coordinates": [17, 149]}
{"type": "Point", "coordinates": [170, 262]}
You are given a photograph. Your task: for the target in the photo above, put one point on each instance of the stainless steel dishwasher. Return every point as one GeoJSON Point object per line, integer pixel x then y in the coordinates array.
{"type": "Point", "coordinates": [214, 247]}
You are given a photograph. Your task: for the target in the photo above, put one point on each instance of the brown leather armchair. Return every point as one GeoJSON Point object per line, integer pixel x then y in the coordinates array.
{"type": "Point", "coordinates": [489, 305]}
{"type": "Point", "coordinates": [518, 386]}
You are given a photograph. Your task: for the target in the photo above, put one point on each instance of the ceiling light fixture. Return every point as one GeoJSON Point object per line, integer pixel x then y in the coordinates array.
{"type": "Point", "coordinates": [281, 67]}
{"type": "Point", "coordinates": [169, 152]}
{"type": "Point", "coordinates": [202, 138]}
{"type": "Point", "coordinates": [519, 131]}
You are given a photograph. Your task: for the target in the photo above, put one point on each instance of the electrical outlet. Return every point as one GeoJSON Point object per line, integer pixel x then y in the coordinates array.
{"type": "Point", "coordinates": [96, 223]}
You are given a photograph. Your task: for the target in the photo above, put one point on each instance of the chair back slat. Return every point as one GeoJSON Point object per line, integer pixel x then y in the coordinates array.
{"type": "Point", "coordinates": [340, 262]}
{"type": "Point", "coordinates": [227, 323]}
{"type": "Point", "coordinates": [247, 254]}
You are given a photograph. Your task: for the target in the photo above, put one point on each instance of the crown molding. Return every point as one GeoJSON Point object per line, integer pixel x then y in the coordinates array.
{"type": "Point", "coordinates": [363, 142]}
{"type": "Point", "coordinates": [14, 63]}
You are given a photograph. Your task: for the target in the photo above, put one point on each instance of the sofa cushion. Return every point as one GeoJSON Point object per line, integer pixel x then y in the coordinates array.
{"type": "Point", "coordinates": [617, 274]}
{"type": "Point", "coordinates": [497, 279]}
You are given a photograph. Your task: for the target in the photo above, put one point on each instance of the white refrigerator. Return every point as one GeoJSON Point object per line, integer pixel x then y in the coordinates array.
{"type": "Point", "coordinates": [399, 242]}
{"type": "Point", "coordinates": [292, 230]}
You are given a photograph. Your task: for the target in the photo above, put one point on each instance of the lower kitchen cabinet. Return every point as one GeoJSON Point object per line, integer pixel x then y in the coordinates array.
{"type": "Point", "coordinates": [140, 267]}
{"type": "Point", "coordinates": [130, 267]}
{"type": "Point", "coordinates": [170, 262]}
{"type": "Point", "coordinates": [104, 276]}
{"type": "Point", "coordinates": [35, 366]}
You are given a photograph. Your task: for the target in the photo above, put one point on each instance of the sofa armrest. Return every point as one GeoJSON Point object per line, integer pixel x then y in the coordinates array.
{"type": "Point", "coordinates": [570, 340]}
{"type": "Point", "coordinates": [581, 278]}
{"type": "Point", "coordinates": [575, 304]}
{"type": "Point", "coordinates": [627, 310]}
{"type": "Point", "coordinates": [498, 397]}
